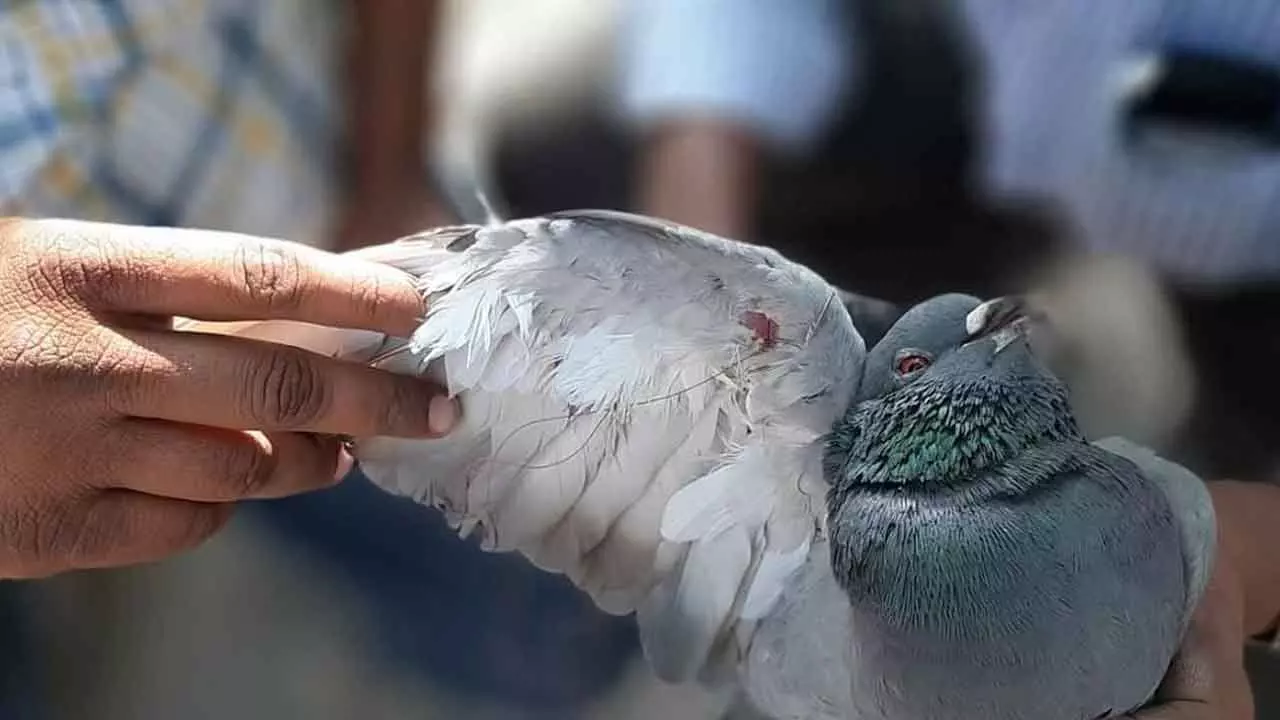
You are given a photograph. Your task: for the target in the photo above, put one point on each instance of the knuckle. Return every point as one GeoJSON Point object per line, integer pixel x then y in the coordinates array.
{"type": "Point", "coordinates": [33, 346]}
{"type": "Point", "coordinates": [242, 468]}
{"type": "Point", "coordinates": [45, 356]}
{"type": "Point", "coordinates": [271, 274]}
{"type": "Point", "coordinates": [122, 379]}
{"type": "Point", "coordinates": [285, 389]}
{"type": "Point", "coordinates": [67, 265]}
{"type": "Point", "coordinates": [29, 343]}
{"type": "Point", "coordinates": [52, 276]}
{"type": "Point", "coordinates": [80, 533]}
{"type": "Point", "coordinates": [369, 295]}
{"type": "Point", "coordinates": [196, 524]}
{"type": "Point", "coordinates": [399, 404]}
{"type": "Point", "coordinates": [23, 527]}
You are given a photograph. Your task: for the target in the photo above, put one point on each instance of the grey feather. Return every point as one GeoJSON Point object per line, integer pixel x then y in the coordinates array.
{"type": "Point", "coordinates": [998, 565]}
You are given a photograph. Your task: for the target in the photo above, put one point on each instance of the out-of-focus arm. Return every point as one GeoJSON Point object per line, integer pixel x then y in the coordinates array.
{"type": "Point", "coordinates": [387, 106]}
{"type": "Point", "coordinates": [712, 85]}
{"type": "Point", "coordinates": [702, 173]}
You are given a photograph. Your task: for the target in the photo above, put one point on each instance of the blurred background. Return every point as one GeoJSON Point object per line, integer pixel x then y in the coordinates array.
{"type": "Point", "coordinates": [1121, 158]}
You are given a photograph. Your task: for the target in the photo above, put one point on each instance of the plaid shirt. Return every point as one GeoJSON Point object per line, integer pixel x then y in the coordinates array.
{"type": "Point", "coordinates": [206, 113]}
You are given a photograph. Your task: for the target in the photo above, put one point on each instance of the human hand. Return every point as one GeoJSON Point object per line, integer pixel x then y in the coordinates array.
{"type": "Point", "coordinates": [127, 441]}
{"type": "Point", "coordinates": [1207, 679]}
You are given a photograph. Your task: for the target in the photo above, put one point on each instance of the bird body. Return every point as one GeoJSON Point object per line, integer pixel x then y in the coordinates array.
{"type": "Point", "coordinates": [692, 429]}
{"type": "Point", "coordinates": [993, 562]}
{"type": "Point", "coordinates": [1052, 587]}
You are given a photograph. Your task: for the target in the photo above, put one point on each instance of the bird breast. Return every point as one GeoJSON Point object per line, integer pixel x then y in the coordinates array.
{"type": "Point", "coordinates": [1061, 604]}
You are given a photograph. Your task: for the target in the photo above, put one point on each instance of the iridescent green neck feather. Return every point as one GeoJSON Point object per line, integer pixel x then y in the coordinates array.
{"type": "Point", "coordinates": [944, 431]}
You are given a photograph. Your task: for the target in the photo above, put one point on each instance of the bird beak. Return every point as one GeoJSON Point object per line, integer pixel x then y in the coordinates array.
{"type": "Point", "coordinates": [1003, 318]}
{"type": "Point", "coordinates": [995, 315]}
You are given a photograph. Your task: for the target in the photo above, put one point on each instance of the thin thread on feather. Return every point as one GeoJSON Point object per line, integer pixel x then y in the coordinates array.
{"type": "Point", "coordinates": [389, 353]}
{"type": "Point", "coordinates": [546, 466]}
{"type": "Point", "coordinates": [817, 321]}
{"type": "Point", "coordinates": [608, 412]}
{"type": "Point", "coordinates": [579, 450]}
{"type": "Point", "coordinates": [724, 372]}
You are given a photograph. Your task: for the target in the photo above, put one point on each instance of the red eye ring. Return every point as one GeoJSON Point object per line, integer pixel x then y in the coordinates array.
{"type": "Point", "coordinates": [911, 364]}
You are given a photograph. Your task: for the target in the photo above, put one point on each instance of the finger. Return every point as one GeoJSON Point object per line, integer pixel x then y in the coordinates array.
{"type": "Point", "coordinates": [1189, 710]}
{"type": "Point", "coordinates": [236, 383]}
{"type": "Point", "coordinates": [122, 528]}
{"type": "Point", "coordinates": [225, 276]}
{"type": "Point", "coordinates": [204, 464]}
{"type": "Point", "coordinates": [1191, 674]}
{"type": "Point", "coordinates": [129, 528]}
{"type": "Point", "coordinates": [1187, 690]}
{"type": "Point", "coordinates": [1207, 678]}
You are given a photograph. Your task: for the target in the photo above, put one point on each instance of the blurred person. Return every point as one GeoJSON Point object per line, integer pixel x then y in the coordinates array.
{"type": "Point", "coordinates": [283, 119]}
{"type": "Point", "coordinates": [717, 88]}
{"type": "Point", "coordinates": [1152, 125]}
{"type": "Point", "coordinates": [232, 114]}
{"type": "Point", "coordinates": [1138, 120]}
{"type": "Point", "coordinates": [217, 114]}
{"type": "Point", "coordinates": [809, 124]}
{"type": "Point", "coordinates": [714, 86]}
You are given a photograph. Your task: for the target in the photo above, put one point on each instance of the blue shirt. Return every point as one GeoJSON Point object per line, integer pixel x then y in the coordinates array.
{"type": "Point", "coordinates": [779, 67]}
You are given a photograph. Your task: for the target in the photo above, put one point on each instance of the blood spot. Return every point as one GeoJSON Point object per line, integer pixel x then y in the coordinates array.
{"type": "Point", "coordinates": [763, 327]}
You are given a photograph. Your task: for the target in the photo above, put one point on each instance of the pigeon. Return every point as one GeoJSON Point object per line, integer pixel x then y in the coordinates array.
{"type": "Point", "coordinates": [997, 563]}
{"type": "Point", "coordinates": [693, 430]}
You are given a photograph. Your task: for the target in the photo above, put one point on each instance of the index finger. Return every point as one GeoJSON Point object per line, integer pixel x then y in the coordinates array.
{"type": "Point", "coordinates": [220, 276]}
{"type": "Point", "coordinates": [239, 383]}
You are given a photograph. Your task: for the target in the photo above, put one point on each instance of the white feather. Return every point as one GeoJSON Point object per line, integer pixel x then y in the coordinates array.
{"type": "Point", "coordinates": [621, 422]}
{"type": "Point", "coordinates": [684, 619]}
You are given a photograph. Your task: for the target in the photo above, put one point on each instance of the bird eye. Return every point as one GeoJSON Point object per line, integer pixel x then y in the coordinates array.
{"type": "Point", "coordinates": [911, 364]}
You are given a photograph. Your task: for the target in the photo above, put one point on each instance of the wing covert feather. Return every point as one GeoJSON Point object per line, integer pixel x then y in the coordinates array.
{"type": "Point", "coordinates": [643, 410]}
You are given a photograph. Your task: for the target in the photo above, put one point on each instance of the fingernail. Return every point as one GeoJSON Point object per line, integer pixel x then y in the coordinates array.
{"type": "Point", "coordinates": [345, 464]}
{"type": "Point", "coordinates": [442, 414]}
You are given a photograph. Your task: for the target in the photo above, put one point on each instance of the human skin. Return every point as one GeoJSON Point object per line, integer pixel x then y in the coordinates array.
{"type": "Point", "coordinates": [126, 440]}
{"type": "Point", "coordinates": [1242, 601]}
{"type": "Point", "coordinates": [1207, 679]}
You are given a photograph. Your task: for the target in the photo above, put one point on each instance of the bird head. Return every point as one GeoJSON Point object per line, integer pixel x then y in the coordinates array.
{"type": "Point", "coordinates": [953, 388]}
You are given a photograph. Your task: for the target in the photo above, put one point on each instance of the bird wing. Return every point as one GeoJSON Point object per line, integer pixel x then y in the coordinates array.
{"type": "Point", "coordinates": [1191, 504]}
{"type": "Point", "coordinates": [643, 410]}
